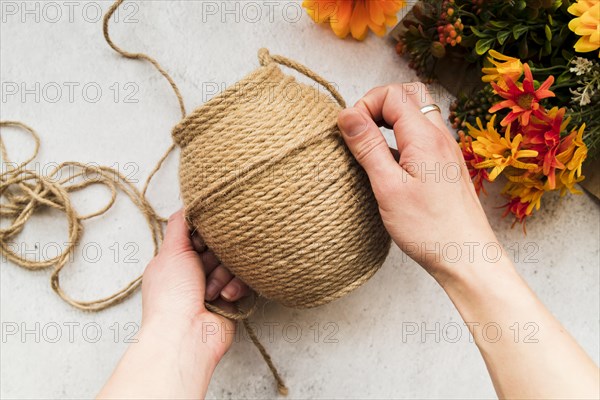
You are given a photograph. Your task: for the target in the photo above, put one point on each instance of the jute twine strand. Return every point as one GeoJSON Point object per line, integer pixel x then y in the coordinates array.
{"type": "Point", "coordinates": [24, 192]}
{"type": "Point", "coordinates": [158, 67]}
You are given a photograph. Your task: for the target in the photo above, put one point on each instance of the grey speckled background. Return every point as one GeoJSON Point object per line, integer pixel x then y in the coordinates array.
{"type": "Point", "coordinates": [351, 348]}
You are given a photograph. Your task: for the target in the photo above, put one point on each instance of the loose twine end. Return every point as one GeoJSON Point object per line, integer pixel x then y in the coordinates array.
{"type": "Point", "coordinates": [281, 388]}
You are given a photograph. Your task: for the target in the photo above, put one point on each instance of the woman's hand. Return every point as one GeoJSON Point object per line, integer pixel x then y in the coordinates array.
{"type": "Point", "coordinates": [174, 287]}
{"type": "Point", "coordinates": [180, 342]}
{"type": "Point", "coordinates": [426, 199]}
{"type": "Point", "coordinates": [430, 208]}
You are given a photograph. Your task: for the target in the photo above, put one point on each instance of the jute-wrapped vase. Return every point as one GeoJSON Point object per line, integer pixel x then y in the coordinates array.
{"type": "Point", "coordinates": [269, 184]}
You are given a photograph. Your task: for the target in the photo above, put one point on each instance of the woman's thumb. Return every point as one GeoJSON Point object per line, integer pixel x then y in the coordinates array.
{"type": "Point", "coordinates": [367, 144]}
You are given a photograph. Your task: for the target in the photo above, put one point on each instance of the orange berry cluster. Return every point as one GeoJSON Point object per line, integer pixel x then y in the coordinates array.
{"type": "Point", "coordinates": [450, 27]}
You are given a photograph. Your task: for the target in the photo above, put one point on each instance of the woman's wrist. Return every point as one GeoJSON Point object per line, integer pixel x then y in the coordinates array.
{"type": "Point", "coordinates": [166, 360]}
{"type": "Point", "coordinates": [491, 297]}
{"type": "Point", "coordinates": [186, 338]}
{"type": "Point", "coordinates": [483, 271]}
{"type": "Point", "coordinates": [470, 258]}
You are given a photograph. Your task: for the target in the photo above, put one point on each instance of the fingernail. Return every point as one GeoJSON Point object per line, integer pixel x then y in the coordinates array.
{"type": "Point", "coordinates": [352, 123]}
{"type": "Point", "coordinates": [212, 290]}
{"type": "Point", "coordinates": [231, 291]}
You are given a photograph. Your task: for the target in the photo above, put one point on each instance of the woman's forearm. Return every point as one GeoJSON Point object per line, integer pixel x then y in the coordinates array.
{"type": "Point", "coordinates": [170, 363]}
{"type": "Point", "coordinates": [528, 353]}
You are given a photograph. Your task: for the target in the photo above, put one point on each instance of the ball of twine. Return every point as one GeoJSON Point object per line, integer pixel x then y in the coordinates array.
{"type": "Point", "coordinates": [269, 184]}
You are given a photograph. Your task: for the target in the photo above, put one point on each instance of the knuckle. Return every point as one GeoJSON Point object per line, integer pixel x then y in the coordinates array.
{"type": "Point", "coordinates": [416, 90]}
{"type": "Point", "coordinates": [373, 90]}
{"type": "Point", "coordinates": [437, 138]}
{"type": "Point", "coordinates": [396, 91]}
{"type": "Point", "coordinates": [396, 87]}
{"type": "Point", "coordinates": [368, 147]}
{"type": "Point", "coordinates": [441, 140]}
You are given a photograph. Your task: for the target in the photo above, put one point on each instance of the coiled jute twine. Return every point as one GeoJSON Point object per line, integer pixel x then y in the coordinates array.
{"type": "Point", "coordinates": [265, 178]}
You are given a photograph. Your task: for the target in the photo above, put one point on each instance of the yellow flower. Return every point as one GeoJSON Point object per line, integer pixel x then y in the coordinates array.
{"type": "Point", "coordinates": [529, 195]}
{"type": "Point", "coordinates": [586, 24]}
{"type": "Point", "coordinates": [504, 67]}
{"type": "Point", "coordinates": [354, 16]}
{"type": "Point", "coordinates": [500, 152]}
{"type": "Point", "coordinates": [575, 164]}
{"type": "Point", "coordinates": [572, 153]}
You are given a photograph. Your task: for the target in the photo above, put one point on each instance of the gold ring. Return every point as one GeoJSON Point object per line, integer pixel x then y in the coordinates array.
{"type": "Point", "coordinates": [430, 108]}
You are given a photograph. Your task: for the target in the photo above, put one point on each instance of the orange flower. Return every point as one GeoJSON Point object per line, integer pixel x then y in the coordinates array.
{"type": "Point", "coordinates": [478, 175]}
{"type": "Point", "coordinates": [520, 209]}
{"type": "Point", "coordinates": [522, 101]}
{"type": "Point", "coordinates": [525, 196]}
{"type": "Point", "coordinates": [543, 136]}
{"type": "Point", "coordinates": [355, 16]}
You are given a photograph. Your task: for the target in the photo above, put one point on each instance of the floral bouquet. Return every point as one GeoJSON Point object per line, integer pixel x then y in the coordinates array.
{"type": "Point", "coordinates": [535, 117]}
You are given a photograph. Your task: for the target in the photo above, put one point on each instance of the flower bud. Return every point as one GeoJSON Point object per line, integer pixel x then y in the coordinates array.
{"type": "Point", "coordinates": [437, 50]}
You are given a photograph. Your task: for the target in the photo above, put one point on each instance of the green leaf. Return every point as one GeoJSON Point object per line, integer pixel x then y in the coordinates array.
{"type": "Point", "coordinates": [548, 32]}
{"type": "Point", "coordinates": [562, 78]}
{"type": "Point", "coordinates": [523, 48]}
{"type": "Point", "coordinates": [557, 5]}
{"type": "Point", "coordinates": [499, 24]}
{"type": "Point", "coordinates": [478, 33]}
{"type": "Point", "coordinates": [483, 45]}
{"type": "Point", "coordinates": [519, 30]}
{"type": "Point", "coordinates": [502, 36]}
{"type": "Point", "coordinates": [534, 37]}
{"type": "Point", "coordinates": [547, 48]}
{"type": "Point", "coordinates": [567, 55]}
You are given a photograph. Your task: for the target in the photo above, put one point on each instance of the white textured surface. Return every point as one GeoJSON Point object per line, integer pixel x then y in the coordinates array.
{"type": "Point", "coordinates": [369, 358]}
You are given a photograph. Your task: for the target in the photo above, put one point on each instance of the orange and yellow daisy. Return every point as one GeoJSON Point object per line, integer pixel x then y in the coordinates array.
{"type": "Point", "coordinates": [355, 17]}
{"type": "Point", "coordinates": [500, 152]}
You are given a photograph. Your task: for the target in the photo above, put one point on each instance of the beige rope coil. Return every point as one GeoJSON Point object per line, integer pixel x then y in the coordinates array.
{"type": "Point", "coordinates": [24, 191]}
{"type": "Point", "coordinates": [265, 178]}
{"type": "Point", "coordinates": [300, 240]}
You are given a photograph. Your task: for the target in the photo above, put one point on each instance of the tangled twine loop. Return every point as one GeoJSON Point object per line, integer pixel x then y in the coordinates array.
{"type": "Point", "coordinates": [25, 191]}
